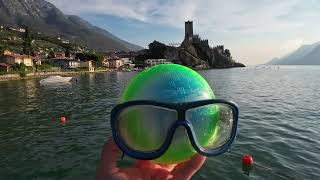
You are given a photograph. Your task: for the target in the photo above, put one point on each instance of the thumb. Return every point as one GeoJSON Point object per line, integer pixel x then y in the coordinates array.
{"type": "Point", "coordinates": [187, 169]}
{"type": "Point", "coordinates": [108, 162]}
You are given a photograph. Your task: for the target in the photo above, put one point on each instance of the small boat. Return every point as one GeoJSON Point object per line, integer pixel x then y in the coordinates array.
{"type": "Point", "coordinates": [55, 80]}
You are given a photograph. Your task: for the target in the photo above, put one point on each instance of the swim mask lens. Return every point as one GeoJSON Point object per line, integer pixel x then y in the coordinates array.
{"type": "Point", "coordinates": [144, 129]}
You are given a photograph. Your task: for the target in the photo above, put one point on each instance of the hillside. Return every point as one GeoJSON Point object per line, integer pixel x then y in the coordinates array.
{"type": "Point", "coordinates": [304, 55]}
{"type": "Point", "coordinates": [42, 16]}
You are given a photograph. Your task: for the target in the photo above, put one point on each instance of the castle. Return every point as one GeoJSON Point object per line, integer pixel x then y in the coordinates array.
{"type": "Point", "coordinates": [190, 37]}
{"type": "Point", "coordinates": [193, 52]}
{"type": "Point", "coordinates": [188, 30]}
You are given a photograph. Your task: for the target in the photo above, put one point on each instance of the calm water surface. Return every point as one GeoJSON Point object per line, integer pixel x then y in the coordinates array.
{"type": "Point", "coordinates": [279, 124]}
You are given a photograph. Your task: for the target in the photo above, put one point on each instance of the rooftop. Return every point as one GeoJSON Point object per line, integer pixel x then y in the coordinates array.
{"type": "Point", "coordinates": [17, 56]}
{"type": "Point", "coordinates": [4, 65]}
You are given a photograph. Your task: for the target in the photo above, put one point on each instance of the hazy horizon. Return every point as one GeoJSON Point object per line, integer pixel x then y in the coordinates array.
{"type": "Point", "coordinates": [254, 31]}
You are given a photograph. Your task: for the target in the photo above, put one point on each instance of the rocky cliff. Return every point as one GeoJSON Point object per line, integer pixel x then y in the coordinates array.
{"type": "Point", "coordinates": [195, 53]}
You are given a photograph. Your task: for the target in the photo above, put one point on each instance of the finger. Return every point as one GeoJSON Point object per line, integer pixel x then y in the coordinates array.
{"type": "Point", "coordinates": [145, 164]}
{"type": "Point", "coordinates": [108, 163]}
{"type": "Point", "coordinates": [160, 174]}
{"type": "Point", "coordinates": [187, 169]}
{"type": "Point", "coordinates": [150, 164]}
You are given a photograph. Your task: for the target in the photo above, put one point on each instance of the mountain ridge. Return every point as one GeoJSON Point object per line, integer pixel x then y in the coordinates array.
{"type": "Point", "coordinates": [304, 55]}
{"type": "Point", "coordinates": [44, 17]}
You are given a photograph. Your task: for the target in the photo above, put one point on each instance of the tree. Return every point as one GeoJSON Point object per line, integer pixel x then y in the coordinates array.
{"type": "Point", "coordinates": [19, 67]}
{"type": "Point", "coordinates": [1, 51]}
{"type": "Point", "coordinates": [51, 55]}
{"type": "Point", "coordinates": [27, 41]}
{"type": "Point", "coordinates": [157, 49]}
{"type": "Point", "coordinates": [227, 52]}
{"type": "Point", "coordinates": [67, 53]}
{"type": "Point", "coordinates": [89, 56]}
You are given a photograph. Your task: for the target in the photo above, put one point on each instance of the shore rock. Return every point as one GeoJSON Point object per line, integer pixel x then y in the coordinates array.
{"type": "Point", "coordinates": [194, 53]}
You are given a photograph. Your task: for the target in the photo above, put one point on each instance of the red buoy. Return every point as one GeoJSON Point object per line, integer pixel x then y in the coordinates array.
{"type": "Point", "coordinates": [247, 160]}
{"type": "Point", "coordinates": [63, 120]}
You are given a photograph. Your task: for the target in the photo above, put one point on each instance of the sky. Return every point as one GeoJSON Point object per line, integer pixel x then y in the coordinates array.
{"type": "Point", "coordinates": [255, 31]}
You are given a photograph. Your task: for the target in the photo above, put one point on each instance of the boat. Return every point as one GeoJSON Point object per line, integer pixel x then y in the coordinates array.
{"type": "Point", "coordinates": [55, 80]}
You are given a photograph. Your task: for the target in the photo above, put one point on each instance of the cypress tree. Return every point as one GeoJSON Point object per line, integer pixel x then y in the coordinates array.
{"type": "Point", "coordinates": [27, 40]}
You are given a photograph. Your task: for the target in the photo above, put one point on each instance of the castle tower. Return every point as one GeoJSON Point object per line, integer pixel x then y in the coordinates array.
{"type": "Point", "coordinates": [188, 30]}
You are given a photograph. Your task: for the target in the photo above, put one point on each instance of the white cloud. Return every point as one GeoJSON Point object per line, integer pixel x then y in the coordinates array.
{"type": "Point", "coordinates": [210, 14]}
{"type": "Point", "coordinates": [236, 20]}
{"type": "Point", "coordinates": [291, 44]}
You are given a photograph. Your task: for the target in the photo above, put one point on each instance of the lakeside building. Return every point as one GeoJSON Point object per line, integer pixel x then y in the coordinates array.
{"type": "Point", "coordinates": [60, 55]}
{"type": "Point", "coordinates": [15, 58]}
{"type": "Point", "coordinates": [87, 65]}
{"type": "Point", "coordinates": [37, 60]}
{"type": "Point", "coordinates": [7, 52]}
{"type": "Point", "coordinates": [115, 62]}
{"type": "Point", "coordinates": [69, 64]}
{"type": "Point", "coordinates": [154, 62]}
{"type": "Point", "coordinates": [5, 67]}
{"type": "Point", "coordinates": [65, 63]}
{"type": "Point", "coordinates": [127, 63]}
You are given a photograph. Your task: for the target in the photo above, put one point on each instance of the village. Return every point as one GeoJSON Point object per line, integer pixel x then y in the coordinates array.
{"type": "Point", "coordinates": [62, 60]}
{"type": "Point", "coordinates": [121, 61]}
{"type": "Point", "coordinates": [30, 54]}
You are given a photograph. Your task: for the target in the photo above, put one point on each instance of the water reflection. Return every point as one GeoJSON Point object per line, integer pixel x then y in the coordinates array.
{"type": "Point", "coordinates": [279, 111]}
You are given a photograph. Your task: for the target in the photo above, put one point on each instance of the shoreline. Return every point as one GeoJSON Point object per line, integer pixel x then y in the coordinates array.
{"type": "Point", "coordinates": [16, 76]}
{"type": "Point", "coordinates": [12, 77]}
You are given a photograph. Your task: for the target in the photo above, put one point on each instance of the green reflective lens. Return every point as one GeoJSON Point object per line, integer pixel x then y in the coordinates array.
{"type": "Point", "coordinates": [212, 124]}
{"type": "Point", "coordinates": [144, 127]}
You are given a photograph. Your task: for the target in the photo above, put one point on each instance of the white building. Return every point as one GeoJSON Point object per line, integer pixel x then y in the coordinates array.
{"type": "Point", "coordinates": [127, 63]}
{"type": "Point", "coordinates": [88, 65]}
{"type": "Point", "coordinates": [154, 62]}
{"type": "Point", "coordinates": [65, 41]}
{"type": "Point", "coordinates": [72, 64]}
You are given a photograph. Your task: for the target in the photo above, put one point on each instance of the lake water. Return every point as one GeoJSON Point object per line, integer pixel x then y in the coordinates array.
{"type": "Point", "coordinates": [279, 124]}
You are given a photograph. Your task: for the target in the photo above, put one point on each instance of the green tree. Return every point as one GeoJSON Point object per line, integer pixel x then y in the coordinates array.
{"type": "Point", "coordinates": [1, 51]}
{"type": "Point", "coordinates": [157, 49]}
{"type": "Point", "coordinates": [27, 41]}
{"type": "Point", "coordinates": [67, 52]}
{"type": "Point", "coordinates": [227, 52]}
{"type": "Point", "coordinates": [20, 68]}
{"type": "Point", "coordinates": [97, 58]}
{"type": "Point", "coordinates": [51, 55]}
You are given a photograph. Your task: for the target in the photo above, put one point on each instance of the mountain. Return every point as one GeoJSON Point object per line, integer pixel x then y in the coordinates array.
{"type": "Point", "coordinates": [42, 16]}
{"type": "Point", "coordinates": [304, 55]}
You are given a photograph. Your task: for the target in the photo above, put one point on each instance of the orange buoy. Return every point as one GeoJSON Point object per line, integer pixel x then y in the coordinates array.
{"type": "Point", "coordinates": [63, 120]}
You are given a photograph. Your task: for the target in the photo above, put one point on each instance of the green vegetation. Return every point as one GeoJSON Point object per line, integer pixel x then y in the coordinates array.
{"type": "Point", "coordinates": [87, 56]}
{"type": "Point", "coordinates": [227, 52]}
{"type": "Point", "coordinates": [27, 42]}
{"type": "Point", "coordinates": [30, 42]}
{"type": "Point", "coordinates": [43, 67]}
{"type": "Point", "coordinates": [20, 68]}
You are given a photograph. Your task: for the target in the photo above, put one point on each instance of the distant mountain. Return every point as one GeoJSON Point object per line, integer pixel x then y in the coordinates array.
{"type": "Point", "coordinates": [42, 16]}
{"type": "Point", "coordinates": [305, 55]}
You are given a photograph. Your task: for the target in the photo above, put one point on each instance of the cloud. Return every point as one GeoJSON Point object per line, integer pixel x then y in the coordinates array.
{"type": "Point", "coordinates": [270, 26]}
{"type": "Point", "coordinates": [210, 15]}
{"type": "Point", "coordinates": [291, 44]}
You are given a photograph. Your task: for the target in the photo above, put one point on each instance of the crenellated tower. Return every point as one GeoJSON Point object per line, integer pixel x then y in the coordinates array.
{"type": "Point", "coordinates": [188, 30]}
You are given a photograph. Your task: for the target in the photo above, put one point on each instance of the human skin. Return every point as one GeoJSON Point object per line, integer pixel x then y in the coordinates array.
{"type": "Point", "coordinates": [107, 169]}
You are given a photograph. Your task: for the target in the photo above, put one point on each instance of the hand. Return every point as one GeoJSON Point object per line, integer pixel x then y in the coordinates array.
{"type": "Point", "coordinates": [108, 169]}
